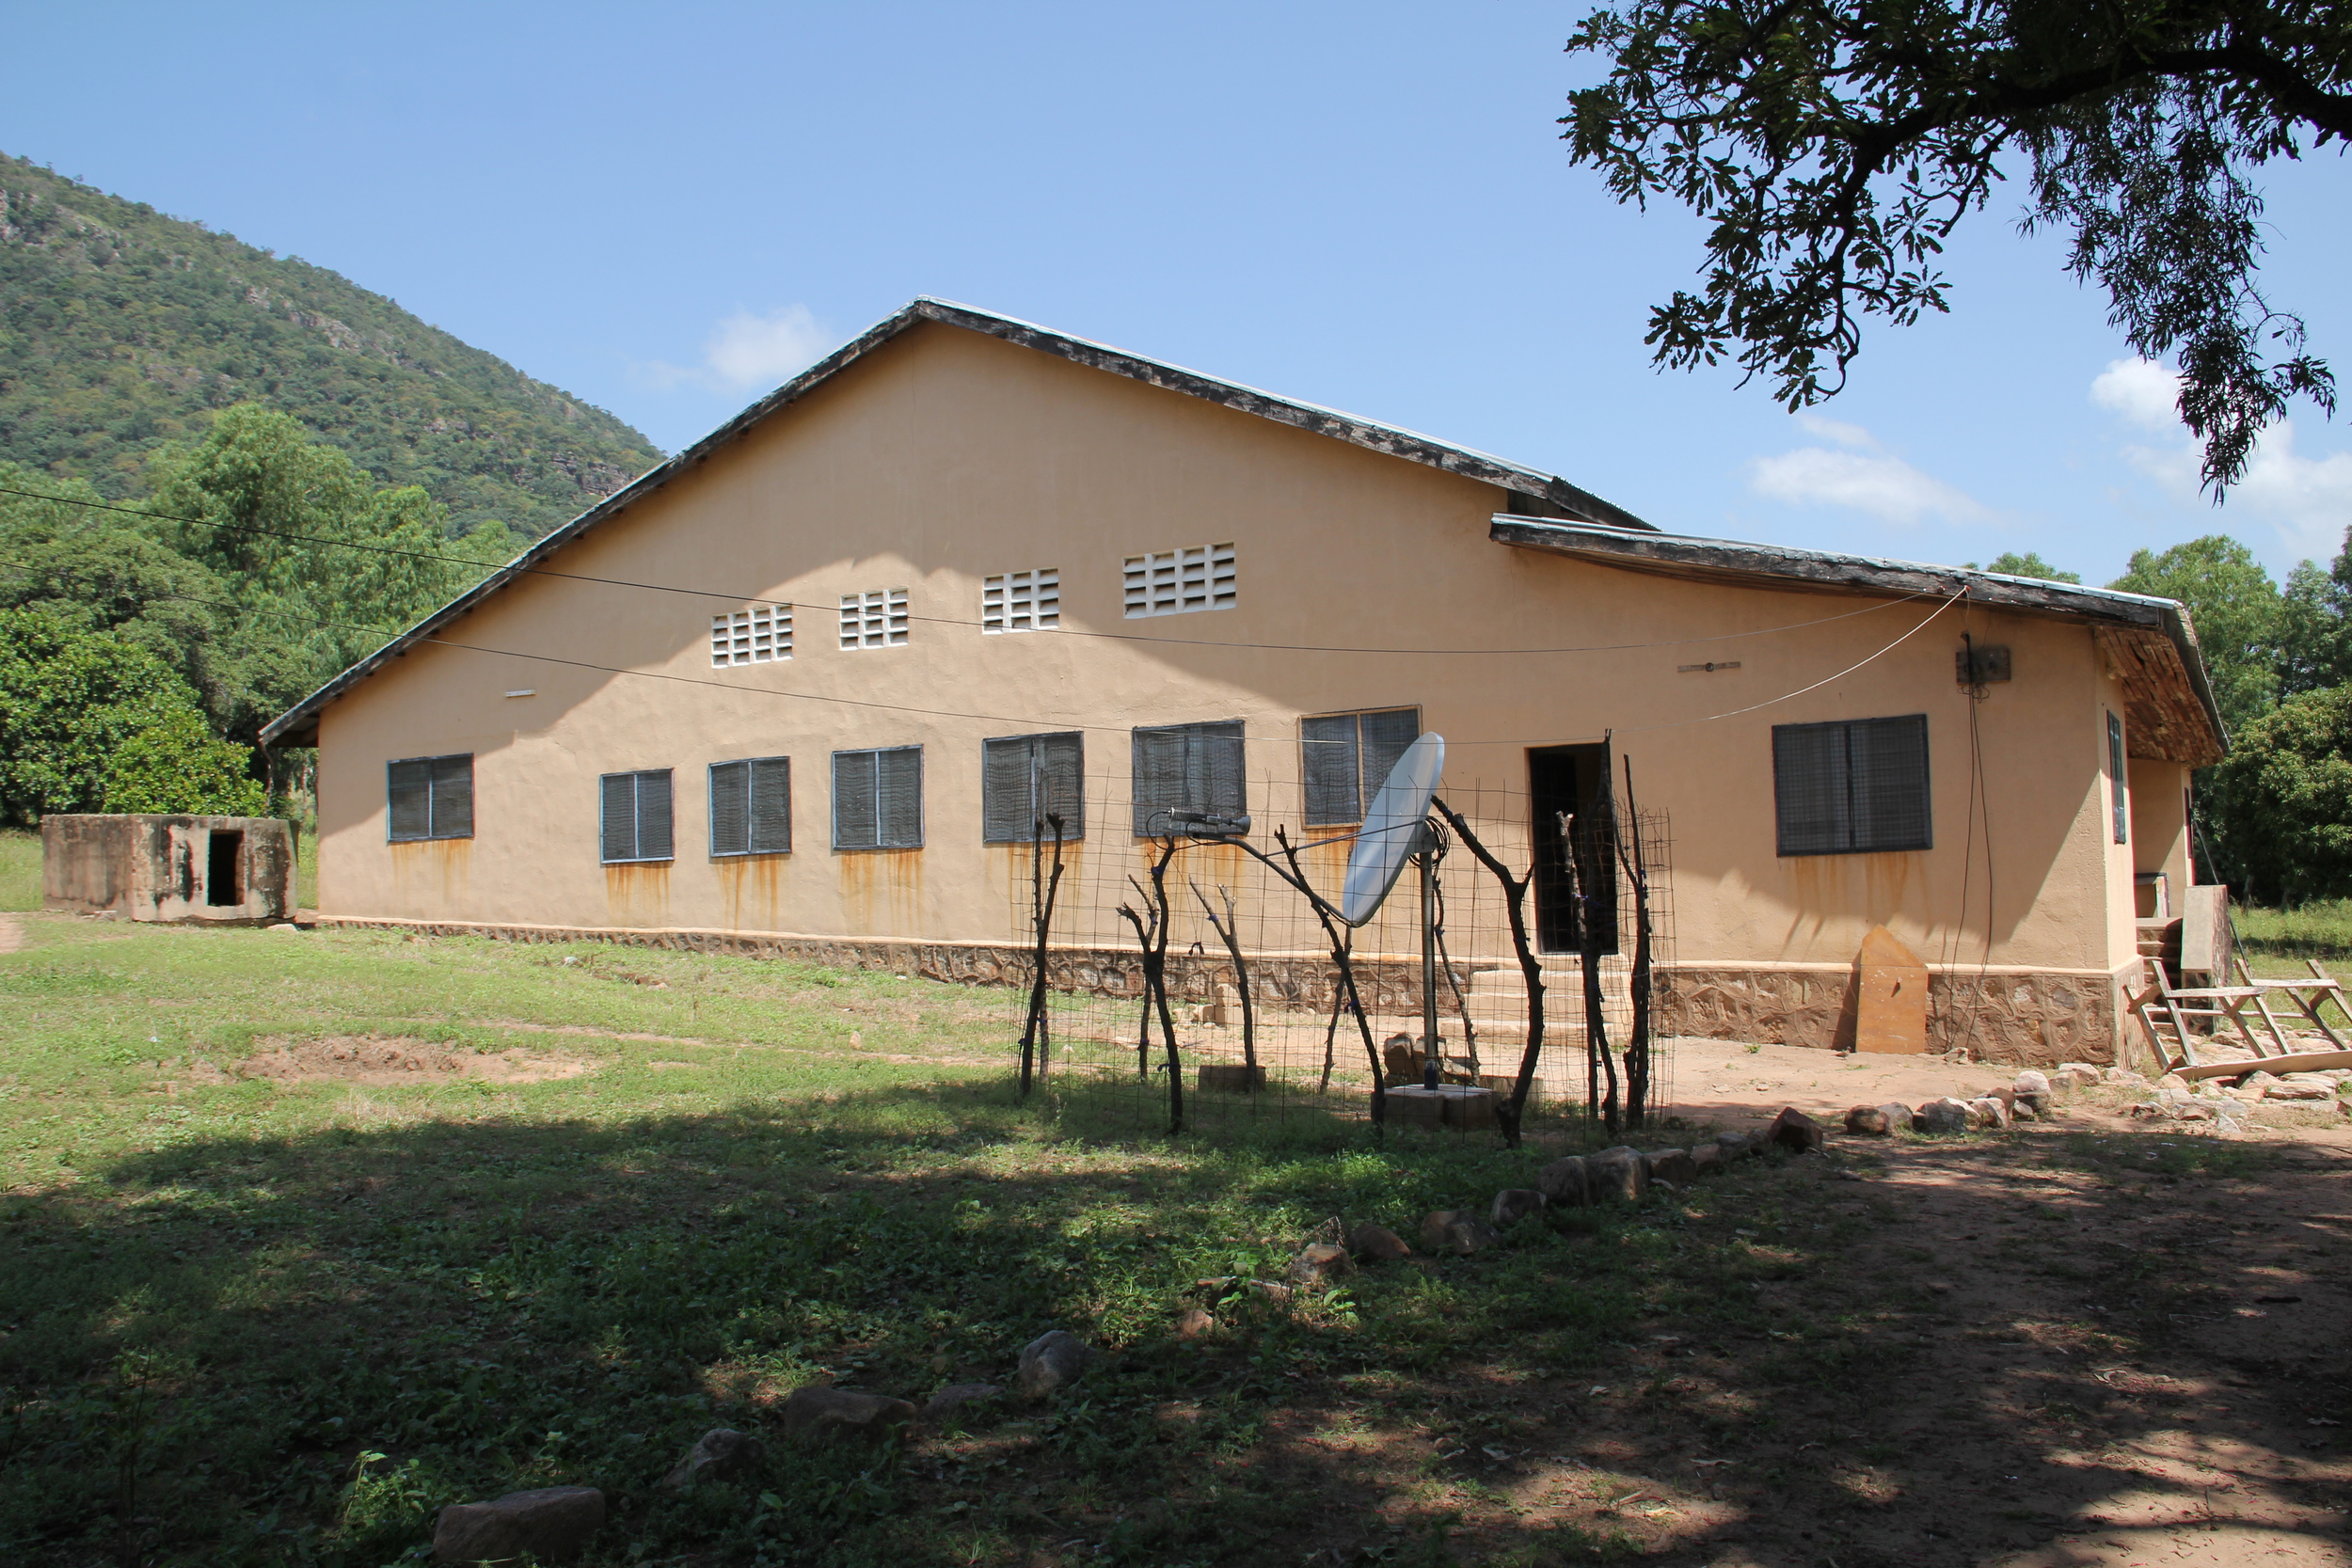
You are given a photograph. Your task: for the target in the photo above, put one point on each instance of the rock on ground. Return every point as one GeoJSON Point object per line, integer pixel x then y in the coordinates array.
{"type": "Point", "coordinates": [953, 1401]}
{"type": "Point", "coordinates": [1705, 1159]}
{"type": "Point", "coordinates": [552, 1524]}
{"type": "Point", "coordinates": [721, 1454]}
{"type": "Point", "coordinates": [1379, 1243]}
{"type": "Point", "coordinates": [1671, 1165]}
{"type": "Point", "coordinates": [1794, 1131]}
{"type": "Point", "coordinates": [2030, 1082]}
{"type": "Point", "coordinates": [822, 1415]}
{"type": "Point", "coordinates": [1053, 1360]}
{"type": "Point", "coordinates": [1871, 1122]}
{"type": "Point", "coordinates": [1736, 1146]}
{"type": "Point", "coordinates": [2075, 1075]}
{"type": "Point", "coordinates": [1615, 1173]}
{"type": "Point", "coordinates": [1460, 1231]}
{"type": "Point", "coordinates": [1319, 1261]}
{"type": "Point", "coordinates": [1514, 1204]}
{"type": "Point", "coordinates": [1561, 1182]}
{"type": "Point", "coordinates": [1194, 1324]}
{"type": "Point", "coordinates": [1946, 1114]}
{"type": "Point", "coordinates": [1989, 1112]}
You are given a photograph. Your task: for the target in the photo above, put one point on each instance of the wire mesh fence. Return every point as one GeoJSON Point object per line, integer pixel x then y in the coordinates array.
{"type": "Point", "coordinates": [1259, 1030]}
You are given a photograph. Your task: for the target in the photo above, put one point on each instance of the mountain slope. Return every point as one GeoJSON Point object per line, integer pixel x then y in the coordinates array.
{"type": "Point", "coordinates": [121, 328]}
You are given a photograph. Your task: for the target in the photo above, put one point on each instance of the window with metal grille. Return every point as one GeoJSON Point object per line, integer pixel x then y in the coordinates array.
{"type": "Point", "coordinates": [1345, 757]}
{"type": "Point", "coordinates": [1851, 787]}
{"type": "Point", "coordinates": [754, 636]}
{"type": "Point", "coordinates": [1025, 777]}
{"type": "Point", "coordinates": [1187, 767]}
{"type": "Point", "coordinates": [751, 807]}
{"type": "Point", "coordinates": [2117, 795]}
{"type": "Point", "coordinates": [429, 798]}
{"type": "Point", "coordinates": [635, 811]}
{"type": "Point", "coordinates": [878, 798]}
{"type": "Point", "coordinates": [1021, 601]}
{"type": "Point", "coordinates": [1176, 582]}
{"type": "Point", "coordinates": [875, 620]}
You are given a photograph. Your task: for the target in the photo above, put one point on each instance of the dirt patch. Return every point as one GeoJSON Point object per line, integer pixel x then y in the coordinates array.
{"type": "Point", "coordinates": [1734, 1084]}
{"type": "Point", "coordinates": [388, 1059]}
{"type": "Point", "coordinates": [11, 933]}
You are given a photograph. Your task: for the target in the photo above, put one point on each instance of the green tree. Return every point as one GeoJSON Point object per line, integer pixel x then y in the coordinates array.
{"type": "Point", "coordinates": [2235, 607]}
{"type": "Point", "coordinates": [1832, 147]}
{"type": "Point", "coordinates": [100, 570]}
{"type": "Point", "coordinates": [2030, 565]}
{"type": "Point", "coordinates": [176, 764]}
{"type": "Point", "coordinates": [321, 566]}
{"type": "Point", "coordinates": [2316, 624]}
{"type": "Point", "coordinates": [70, 700]}
{"type": "Point", "coordinates": [2285, 811]}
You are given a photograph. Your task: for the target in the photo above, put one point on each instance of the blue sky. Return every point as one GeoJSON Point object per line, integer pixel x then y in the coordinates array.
{"type": "Point", "coordinates": [666, 209]}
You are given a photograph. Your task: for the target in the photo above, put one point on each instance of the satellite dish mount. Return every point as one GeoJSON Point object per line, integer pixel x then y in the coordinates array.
{"type": "Point", "coordinates": [1396, 828]}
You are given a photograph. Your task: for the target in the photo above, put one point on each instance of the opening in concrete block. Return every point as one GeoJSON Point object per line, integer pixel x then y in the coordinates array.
{"type": "Point", "coordinates": [222, 858]}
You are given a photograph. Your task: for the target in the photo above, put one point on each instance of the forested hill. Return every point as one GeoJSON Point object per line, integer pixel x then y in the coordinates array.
{"type": "Point", "coordinates": [122, 329]}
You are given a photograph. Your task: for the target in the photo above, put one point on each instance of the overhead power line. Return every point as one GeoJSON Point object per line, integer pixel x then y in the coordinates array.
{"type": "Point", "coordinates": [741, 598]}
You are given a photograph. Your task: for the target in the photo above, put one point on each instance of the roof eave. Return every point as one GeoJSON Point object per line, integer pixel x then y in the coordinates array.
{"type": "Point", "coordinates": [1818, 571]}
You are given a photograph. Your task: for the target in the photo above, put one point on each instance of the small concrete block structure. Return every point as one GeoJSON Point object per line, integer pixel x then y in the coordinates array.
{"type": "Point", "coordinates": [1890, 996]}
{"type": "Point", "coordinates": [221, 870]}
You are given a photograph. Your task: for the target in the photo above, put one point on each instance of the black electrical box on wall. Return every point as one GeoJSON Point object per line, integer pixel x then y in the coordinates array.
{"type": "Point", "coordinates": [1981, 666]}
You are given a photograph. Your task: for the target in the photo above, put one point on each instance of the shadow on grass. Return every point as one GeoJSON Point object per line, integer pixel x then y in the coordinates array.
{"type": "Point", "coordinates": [292, 1351]}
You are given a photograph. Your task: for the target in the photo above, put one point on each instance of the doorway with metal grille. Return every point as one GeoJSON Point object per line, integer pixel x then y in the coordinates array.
{"type": "Point", "coordinates": [1572, 782]}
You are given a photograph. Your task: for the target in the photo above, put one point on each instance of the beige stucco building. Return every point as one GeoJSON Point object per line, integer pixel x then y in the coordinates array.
{"type": "Point", "coordinates": [750, 698]}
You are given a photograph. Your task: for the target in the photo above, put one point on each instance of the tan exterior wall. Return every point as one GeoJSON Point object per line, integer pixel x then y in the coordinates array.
{"type": "Point", "coordinates": [950, 456]}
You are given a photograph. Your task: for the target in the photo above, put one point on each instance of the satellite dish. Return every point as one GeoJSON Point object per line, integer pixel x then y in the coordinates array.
{"type": "Point", "coordinates": [1391, 832]}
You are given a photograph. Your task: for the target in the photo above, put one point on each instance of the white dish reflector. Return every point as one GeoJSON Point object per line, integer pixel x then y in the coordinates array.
{"type": "Point", "coordinates": [1391, 829]}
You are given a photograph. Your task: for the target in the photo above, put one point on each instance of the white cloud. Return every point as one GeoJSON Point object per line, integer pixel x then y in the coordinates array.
{"type": "Point", "coordinates": [747, 350]}
{"type": "Point", "coordinates": [2308, 499]}
{"type": "Point", "coordinates": [2142, 391]}
{"type": "Point", "coordinates": [1863, 477]}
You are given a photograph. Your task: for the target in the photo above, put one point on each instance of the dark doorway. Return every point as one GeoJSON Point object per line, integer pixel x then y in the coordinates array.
{"type": "Point", "coordinates": [221, 861]}
{"type": "Point", "coordinates": [1572, 781]}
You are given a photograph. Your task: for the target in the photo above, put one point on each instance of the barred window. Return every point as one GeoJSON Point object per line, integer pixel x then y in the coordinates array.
{"type": "Point", "coordinates": [875, 620]}
{"type": "Point", "coordinates": [878, 798]}
{"type": "Point", "coordinates": [1345, 758]}
{"type": "Point", "coordinates": [1851, 787]}
{"type": "Point", "coordinates": [429, 798]}
{"type": "Point", "coordinates": [1178, 581]}
{"type": "Point", "coordinates": [1021, 601]}
{"type": "Point", "coordinates": [751, 807]}
{"type": "Point", "coordinates": [1187, 767]}
{"type": "Point", "coordinates": [754, 636]}
{"type": "Point", "coordinates": [635, 811]}
{"type": "Point", "coordinates": [1024, 778]}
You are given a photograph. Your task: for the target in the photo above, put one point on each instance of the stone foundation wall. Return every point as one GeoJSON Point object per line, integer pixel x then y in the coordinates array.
{"type": "Point", "coordinates": [1275, 980]}
{"type": "Point", "coordinates": [2031, 1018]}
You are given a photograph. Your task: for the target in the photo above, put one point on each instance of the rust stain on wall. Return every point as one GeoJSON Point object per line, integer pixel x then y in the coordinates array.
{"type": "Point", "coordinates": [752, 887]}
{"type": "Point", "coordinates": [880, 890]}
{"type": "Point", "coordinates": [432, 868]}
{"type": "Point", "coordinates": [638, 894]}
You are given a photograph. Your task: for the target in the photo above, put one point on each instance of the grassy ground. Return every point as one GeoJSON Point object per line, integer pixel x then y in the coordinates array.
{"type": "Point", "coordinates": [282, 1319]}
{"type": "Point", "coordinates": [2317, 930]}
{"type": "Point", "coordinates": [20, 869]}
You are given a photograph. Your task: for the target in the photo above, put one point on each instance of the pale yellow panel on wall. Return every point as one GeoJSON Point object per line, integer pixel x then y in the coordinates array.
{"type": "Point", "coordinates": [1890, 997]}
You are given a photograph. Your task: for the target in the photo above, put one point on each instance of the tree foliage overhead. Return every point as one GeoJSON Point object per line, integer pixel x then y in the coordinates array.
{"type": "Point", "coordinates": [1835, 145]}
{"type": "Point", "coordinates": [122, 330]}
